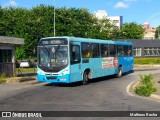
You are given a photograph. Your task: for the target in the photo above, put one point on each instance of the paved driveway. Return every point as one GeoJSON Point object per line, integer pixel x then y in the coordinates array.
{"type": "Point", "coordinates": [102, 94]}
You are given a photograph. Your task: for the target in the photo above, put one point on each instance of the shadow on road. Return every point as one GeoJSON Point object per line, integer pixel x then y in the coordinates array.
{"type": "Point", "coordinates": [76, 84]}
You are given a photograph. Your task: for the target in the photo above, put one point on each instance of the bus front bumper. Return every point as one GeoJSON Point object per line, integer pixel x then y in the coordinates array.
{"type": "Point", "coordinates": [54, 79]}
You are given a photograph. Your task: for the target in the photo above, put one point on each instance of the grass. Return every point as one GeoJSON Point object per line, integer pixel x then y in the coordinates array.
{"type": "Point", "coordinates": [26, 70]}
{"type": "Point", "coordinates": [146, 86]}
{"type": "Point", "coordinates": [2, 78]}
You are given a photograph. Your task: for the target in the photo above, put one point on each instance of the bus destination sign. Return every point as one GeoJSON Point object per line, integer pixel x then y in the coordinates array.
{"type": "Point", "coordinates": [53, 42]}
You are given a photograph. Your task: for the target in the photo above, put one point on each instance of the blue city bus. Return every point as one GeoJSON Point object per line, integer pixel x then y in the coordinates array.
{"type": "Point", "coordinates": [72, 59]}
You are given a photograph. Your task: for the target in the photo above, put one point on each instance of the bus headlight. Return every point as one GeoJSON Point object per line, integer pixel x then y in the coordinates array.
{"type": "Point", "coordinates": [40, 72]}
{"type": "Point", "coordinates": [65, 72]}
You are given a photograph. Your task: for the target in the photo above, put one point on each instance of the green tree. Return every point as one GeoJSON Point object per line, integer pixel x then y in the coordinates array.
{"type": "Point", "coordinates": [104, 29]}
{"type": "Point", "coordinates": [33, 24]}
{"type": "Point", "coordinates": [132, 31]}
{"type": "Point", "coordinates": [77, 23]}
{"type": "Point", "coordinates": [1, 21]}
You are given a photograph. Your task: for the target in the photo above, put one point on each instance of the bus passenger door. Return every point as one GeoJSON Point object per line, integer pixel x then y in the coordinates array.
{"type": "Point", "coordinates": [75, 61]}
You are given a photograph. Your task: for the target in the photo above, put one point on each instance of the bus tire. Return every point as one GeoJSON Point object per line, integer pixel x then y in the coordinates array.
{"type": "Point", "coordinates": [119, 72]}
{"type": "Point", "coordinates": [85, 77]}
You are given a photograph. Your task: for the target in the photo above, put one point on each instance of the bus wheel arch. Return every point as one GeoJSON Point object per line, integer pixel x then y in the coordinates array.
{"type": "Point", "coordinates": [120, 71]}
{"type": "Point", "coordinates": [86, 76]}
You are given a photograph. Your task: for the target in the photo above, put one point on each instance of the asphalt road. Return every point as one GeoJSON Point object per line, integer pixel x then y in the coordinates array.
{"type": "Point", "coordinates": [102, 94]}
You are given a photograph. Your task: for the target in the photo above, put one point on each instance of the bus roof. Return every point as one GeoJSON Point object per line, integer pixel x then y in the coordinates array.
{"type": "Point", "coordinates": [76, 39]}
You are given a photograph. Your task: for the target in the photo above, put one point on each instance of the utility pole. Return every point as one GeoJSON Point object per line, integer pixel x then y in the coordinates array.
{"type": "Point", "coordinates": [54, 18]}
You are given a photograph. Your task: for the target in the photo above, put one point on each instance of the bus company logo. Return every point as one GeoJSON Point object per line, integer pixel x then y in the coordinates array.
{"type": "Point", "coordinates": [6, 114]}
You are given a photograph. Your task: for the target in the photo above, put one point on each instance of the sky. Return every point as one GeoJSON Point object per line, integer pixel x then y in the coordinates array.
{"type": "Point", "coordinates": [138, 11]}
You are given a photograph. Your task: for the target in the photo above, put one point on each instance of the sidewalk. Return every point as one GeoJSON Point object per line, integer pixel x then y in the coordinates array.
{"type": "Point", "coordinates": [147, 66]}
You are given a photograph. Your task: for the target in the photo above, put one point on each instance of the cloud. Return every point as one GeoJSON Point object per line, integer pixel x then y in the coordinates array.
{"type": "Point", "coordinates": [124, 3]}
{"type": "Point", "coordinates": [11, 3]}
{"type": "Point", "coordinates": [121, 5]}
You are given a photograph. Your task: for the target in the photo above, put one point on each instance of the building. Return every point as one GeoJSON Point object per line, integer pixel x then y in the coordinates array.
{"type": "Point", "coordinates": [7, 54]}
{"type": "Point", "coordinates": [116, 20]}
{"type": "Point", "coordinates": [149, 35]}
{"type": "Point", "coordinates": [149, 32]}
{"type": "Point", "coordinates": [146, 48]}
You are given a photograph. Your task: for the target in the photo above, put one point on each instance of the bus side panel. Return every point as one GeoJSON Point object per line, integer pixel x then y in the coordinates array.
{"type": "Point", "coordinates": [130, 61]}
{"type": "Point", "coordinates": [109, 65]}
{"type": "Point", "coordinates": [127, 63]}
{"type": "Point", "coordinates": [75, 73]}
{"type": "Point", "coordinates": [110, 71]}
{"type": "Point", "coordinates": [96, 67]}
{"type": "Point", "coordinates": [86, 64]}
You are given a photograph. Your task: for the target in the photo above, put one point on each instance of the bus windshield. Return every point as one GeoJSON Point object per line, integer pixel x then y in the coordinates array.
{"type": "Point", "coordinates": [52, 56]}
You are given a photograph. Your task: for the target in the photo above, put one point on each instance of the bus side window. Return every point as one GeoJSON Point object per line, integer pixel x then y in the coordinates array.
{"type": "Point", "coordinates": [125, 48]}
{"type": "Point", "coordinates": [95, 50]}
{"type": "Point", "coordinates": [104, 50]}
{"type": "Point", "coordinates": [129, 51]}
{"type": "Point", "coordinates": [112, 50]}
{"type": "Point", "coordinates": [85, 49]}
{"type": "Point", "coordinates": [120, 51]}
{"type": "Point", "coordinates": [75, 54]}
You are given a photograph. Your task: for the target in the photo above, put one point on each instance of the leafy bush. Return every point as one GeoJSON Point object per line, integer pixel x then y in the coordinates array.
{"type": "Point", "coordinates": [2, 78]}
{"type": "Point", "coordinates": [146, 87]}
{"type": "Point", "coordinates": [147, 60]}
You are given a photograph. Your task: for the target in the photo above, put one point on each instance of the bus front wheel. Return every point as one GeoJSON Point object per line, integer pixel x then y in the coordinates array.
{"type": "Point", "coordinates": [119, 72]}
{"type": "Point", "coordinates": [85, 78]}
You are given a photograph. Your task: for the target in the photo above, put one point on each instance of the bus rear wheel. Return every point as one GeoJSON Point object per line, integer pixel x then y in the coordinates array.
{"type": "Point", "coordinates": [85, 78]}
{"type": "Point", "coordinates": [119, 72]}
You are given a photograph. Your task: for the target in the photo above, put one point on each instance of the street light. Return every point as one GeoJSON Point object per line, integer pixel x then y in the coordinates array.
{"type": "Point", "coordinates": [54, 19]}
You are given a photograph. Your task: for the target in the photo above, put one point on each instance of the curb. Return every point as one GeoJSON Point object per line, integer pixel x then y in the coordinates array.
{"type": "Point", "coordinates": [131, 87]}
{"type": "Point", "coordinates": [147, 65]}
{"type": "Point", "coordinates": [155, 96]}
